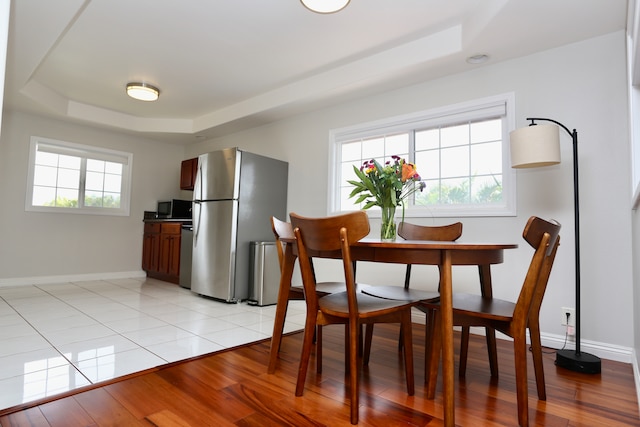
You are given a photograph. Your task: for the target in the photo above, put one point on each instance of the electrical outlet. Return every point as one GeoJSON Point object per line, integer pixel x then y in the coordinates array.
{"type": "Point", "coordinates": [571, 321]}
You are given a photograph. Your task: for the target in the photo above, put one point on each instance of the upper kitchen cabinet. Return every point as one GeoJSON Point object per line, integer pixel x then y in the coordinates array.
{"type": "Point", "coordinates": [188, 173]}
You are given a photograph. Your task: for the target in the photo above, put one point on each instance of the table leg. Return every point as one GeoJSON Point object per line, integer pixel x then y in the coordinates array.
{"type": "Point", "coordinates": [281, 306]}
{"type": "Point", "coordinates": [446, 313]}
{"type": "Point", "coordinates": [487, 291]}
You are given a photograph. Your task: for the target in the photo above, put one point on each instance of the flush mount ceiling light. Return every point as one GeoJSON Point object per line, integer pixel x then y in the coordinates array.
{"type": "Point", "coordinates": [325, 6]}
{"type": "Point", "coordinates": [143, 91]}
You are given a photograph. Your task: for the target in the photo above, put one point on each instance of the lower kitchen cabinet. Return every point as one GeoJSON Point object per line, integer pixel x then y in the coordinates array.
{"type": "Point", "coordinates": [161, 251]}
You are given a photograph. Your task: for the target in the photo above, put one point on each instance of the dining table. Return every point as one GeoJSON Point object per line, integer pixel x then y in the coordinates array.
{"type": "Point", "coordinates": [443, 254]}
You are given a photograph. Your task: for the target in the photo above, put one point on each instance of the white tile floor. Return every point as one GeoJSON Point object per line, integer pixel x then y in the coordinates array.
{"type": "Point", "coordinates": [58, 337]}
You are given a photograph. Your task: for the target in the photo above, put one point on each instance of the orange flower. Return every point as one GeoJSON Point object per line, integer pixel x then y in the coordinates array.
{"type": "Point", "coordinates": [408, 171]}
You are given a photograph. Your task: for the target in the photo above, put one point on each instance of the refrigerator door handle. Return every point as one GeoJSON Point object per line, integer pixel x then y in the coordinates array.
{"type": "Point", "coordinates": [196, 219]}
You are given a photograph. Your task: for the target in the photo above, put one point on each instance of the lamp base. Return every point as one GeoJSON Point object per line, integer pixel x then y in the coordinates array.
{"type": "Point", "coordinates": [583, 362]}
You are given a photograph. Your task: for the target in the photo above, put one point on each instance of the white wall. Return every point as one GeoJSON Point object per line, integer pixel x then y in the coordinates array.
{"type": "Point", "coordinates": [39, 244]}
{"type": "Point", "coordinates": [582, 86]}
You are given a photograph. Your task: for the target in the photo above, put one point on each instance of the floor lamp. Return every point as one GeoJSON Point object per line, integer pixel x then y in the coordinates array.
{"type": "Point", "coordinates": [539, 145]}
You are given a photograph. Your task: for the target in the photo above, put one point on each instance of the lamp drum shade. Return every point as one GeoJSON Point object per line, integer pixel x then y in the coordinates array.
{"type": "Point", "coordinates": [535, 146]}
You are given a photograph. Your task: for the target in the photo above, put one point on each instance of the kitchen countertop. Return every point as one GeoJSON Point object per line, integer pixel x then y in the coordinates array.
{"type": "Point", "coordinates": [186, 221]}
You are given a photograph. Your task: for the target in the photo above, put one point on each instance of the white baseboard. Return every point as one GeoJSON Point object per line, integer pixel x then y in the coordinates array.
{"type": "Point", "coordinates": [41, 280]}
{"type": "Point", "coordinates": [636, 375]}
{"type": "Point", "coordinates": [602, 350]}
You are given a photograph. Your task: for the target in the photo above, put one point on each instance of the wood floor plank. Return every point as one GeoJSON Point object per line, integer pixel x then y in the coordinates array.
{"type": "Point", "coordinates": [233, 388]}
{"type": "Point", "coordinates": [32, 417]}
{"type": "Point", "coordinates": [66, 413]}
{"type": "Point", "coordinates": [105, 410]}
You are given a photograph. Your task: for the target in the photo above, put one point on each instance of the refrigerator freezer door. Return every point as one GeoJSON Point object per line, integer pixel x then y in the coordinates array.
{"type": "Point", "coordinates": [214, 249]}
{"type": "Point", "coordinates": [218, 174]}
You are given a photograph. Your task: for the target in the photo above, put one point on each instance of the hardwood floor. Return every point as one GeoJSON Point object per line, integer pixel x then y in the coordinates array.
{"type": "Point", "coordinates": [233, 388]}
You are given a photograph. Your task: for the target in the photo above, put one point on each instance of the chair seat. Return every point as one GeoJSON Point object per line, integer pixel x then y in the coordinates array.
{"type": "Point", "coordinates": [399, 293]}
{"type": "Point", "coordinates": [480, 307]}
{"type": "Point", "coordinates": [368, 306]}
{"type": "Point", "coordinates": [326, 288]}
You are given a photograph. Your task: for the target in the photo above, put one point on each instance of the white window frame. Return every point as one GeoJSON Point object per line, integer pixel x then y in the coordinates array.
{"type": "Point", "coordinates": [453, 114]}
{"type": "Point", "coordinates": [85, 152]}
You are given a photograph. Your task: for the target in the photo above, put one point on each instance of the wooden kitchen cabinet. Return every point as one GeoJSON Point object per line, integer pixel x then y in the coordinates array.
{"type": "Point", "coordinates": [188, 172]}
{"type": "Point", "coordinates": [161, 251]}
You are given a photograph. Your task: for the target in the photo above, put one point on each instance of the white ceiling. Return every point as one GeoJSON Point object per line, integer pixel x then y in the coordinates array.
{"type": "Point", "coordinates": [225, 65]}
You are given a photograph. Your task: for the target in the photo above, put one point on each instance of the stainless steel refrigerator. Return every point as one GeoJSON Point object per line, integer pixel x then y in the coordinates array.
{"type": "Point", "coordinates": [235, 195]}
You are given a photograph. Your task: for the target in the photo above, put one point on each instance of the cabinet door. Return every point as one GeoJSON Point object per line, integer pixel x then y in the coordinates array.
{"type": "Point", "coordinates": [170, 250]}
{"type": "Point", "coordinates": [151, 247]}
{"type": "Point", "coordinates": [188, 172]}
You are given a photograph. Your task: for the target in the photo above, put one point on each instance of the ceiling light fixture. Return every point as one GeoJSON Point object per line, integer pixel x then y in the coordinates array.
{"type": "Point", "coordinates": [143, 91]}
{"type": "Point", "coordinates": [325, 6]}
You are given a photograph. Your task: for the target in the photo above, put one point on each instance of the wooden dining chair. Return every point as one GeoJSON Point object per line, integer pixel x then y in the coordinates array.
{"type": "Point", "coordinates": [284, 230]}
{"type": "Point", "coordinates": [408, 231]}
{"type": "Point", "coordinates": [331, 237]}
{"type": "Point", "coordinates": [512, 319]}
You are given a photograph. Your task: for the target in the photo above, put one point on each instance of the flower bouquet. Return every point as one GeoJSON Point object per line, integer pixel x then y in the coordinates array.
{"type": "Point", "coordinates": [386, 186]}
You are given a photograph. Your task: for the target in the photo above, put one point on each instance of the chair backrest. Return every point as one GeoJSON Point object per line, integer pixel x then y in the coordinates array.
{"type": "Point", "coordinates": [281, 230]}
{"type": "Point", "coordinates": [544, 237]}
{"type": "Point", "coordinates": [441, 233]}
{"type": "Point", "coordinates": [328, 237]}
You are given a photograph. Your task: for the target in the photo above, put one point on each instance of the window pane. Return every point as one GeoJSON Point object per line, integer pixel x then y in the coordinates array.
{"type": "Point", "coordinates": [487, 189]}
{"type": "Point", "coordinates": [44, 196]}
{"type": "Point", "coordinates": [428, 164]}
{"type": "Point", "coordinates": [454, 135]}
{"type": "Point", "coordinates": [455, 191]}
{"type": "Point", "coordinates": [69, 178]}
{"type": "Point", "coordinates": [95, 165]}
{"type": "Point", "coordinates": [427, 139]}
{"type": "Point", "coordinates": [70, 162]}
{"type": "Point", "coordinates": [111, 200]}
{"type": "Point", "coordinates": [455, 162]}
{"type": "Point", "coordinates": [397, 145]}
{"type": "Point", "coordinates": [43, 158]}
{"type": "Point", "coordinates": [93, 199]}
{"type": "Point", "coordinates": [351, 151]}
{"type": "Point", "coordinates": [490, 130]}
{"type": "Point", "coordinates": [112, 183]}
{"type": "Point", "coordinates": [45, 175]}
{"type": "Point", "coordinates": [373, 148]}
{"type": "Point", "coordinates": [114, 168]}
{"type": "Point", "coordinates": [95, 181]}
{"type": "Point", "coordinates": [67, 198]}
{"type": "Point", "coordinates": [486, 158]}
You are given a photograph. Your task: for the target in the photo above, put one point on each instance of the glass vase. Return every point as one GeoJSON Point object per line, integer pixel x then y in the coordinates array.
{"type": "Point", "coordinates": [388, 226]}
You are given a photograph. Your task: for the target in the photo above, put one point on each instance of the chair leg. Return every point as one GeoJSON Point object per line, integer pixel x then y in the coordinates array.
{"type": "Point", "coordinates": [464, 351]}
{"type": "Point", "coordinates": [520, 354]}
{"type": "Point", "coordinates": [428, 342]}
{"type": "Point", "coordinates": [433, 358]}
{"type": "Point", "coordinates": [318, 339]}
{"type": "Point", "coordinates": [492, 350]}
{"type": "Point", "coordinates": [307, 344]}
{"type": "Point", "coordinates": [354, 339]}
{"type": "Point", "coordinates": [368, 337]}
{"type": "Point", "coordinates": [536, 350]}
{"type": "Point", "coordinates": [407, 339]}
{"type": "Point", "coordinates": [347, 349]}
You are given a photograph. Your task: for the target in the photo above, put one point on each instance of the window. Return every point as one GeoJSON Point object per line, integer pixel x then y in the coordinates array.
{"type": "Point", "coordinates": [461, 153]}
{"type": "Point", "coordinates": [74, 178]}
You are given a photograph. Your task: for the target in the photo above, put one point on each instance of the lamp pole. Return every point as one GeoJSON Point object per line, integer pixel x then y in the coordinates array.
{"type": "Point", "coordinates": [575, 360]}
